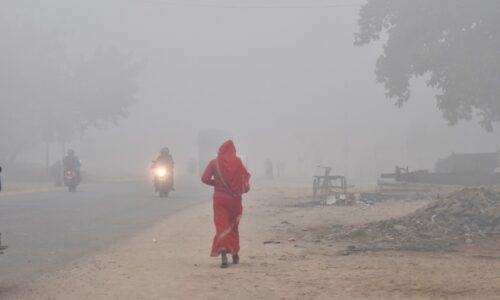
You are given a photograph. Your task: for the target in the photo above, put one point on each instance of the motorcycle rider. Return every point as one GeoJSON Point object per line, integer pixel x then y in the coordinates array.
{"type": "Point", "coordinates": [72, 163]}
{"type": "Point", "coordinates": [165, 159]}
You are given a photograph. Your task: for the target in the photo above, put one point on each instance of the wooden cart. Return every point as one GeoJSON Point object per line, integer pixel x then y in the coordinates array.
{"type": "Point", "coordinates": [328, 185]}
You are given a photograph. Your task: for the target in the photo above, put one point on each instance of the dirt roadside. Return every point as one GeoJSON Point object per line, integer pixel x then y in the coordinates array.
{"type": "Point", "coordinates": [20, 188]}
{"type": "Point", "coordinates": [284, 256]}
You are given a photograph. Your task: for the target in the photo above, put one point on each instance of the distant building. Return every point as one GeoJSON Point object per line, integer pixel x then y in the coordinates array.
{"type": "Point", "coordinates": [469, 163]}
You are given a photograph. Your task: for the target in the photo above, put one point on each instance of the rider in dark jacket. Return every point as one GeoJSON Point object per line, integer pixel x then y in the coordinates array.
{"type": "Point", "coordinates": [165, 159]}
{"type": "Point", "coordinates": [72, 163]}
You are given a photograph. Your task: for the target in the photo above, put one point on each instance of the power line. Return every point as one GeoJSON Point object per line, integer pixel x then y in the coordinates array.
{"type": "Point", "coordinates": [243, 6]}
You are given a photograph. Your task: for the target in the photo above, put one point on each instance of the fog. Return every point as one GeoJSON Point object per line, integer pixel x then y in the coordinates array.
{"type": "Point", "coordinates": [286, 82]}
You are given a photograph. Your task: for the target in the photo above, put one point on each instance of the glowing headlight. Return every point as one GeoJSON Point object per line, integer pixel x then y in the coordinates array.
{"type": "Point", "coordinates": [161, 172]}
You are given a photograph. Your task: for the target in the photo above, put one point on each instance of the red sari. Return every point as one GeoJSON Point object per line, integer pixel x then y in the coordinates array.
{"type": "Point", "coordinates": [230, 180]}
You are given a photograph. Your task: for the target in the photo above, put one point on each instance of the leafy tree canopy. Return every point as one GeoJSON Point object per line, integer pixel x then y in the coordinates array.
{"type": "Point", "coordinates": [45, 96]}
{"type": "Point", "coordinates": [454, 43]}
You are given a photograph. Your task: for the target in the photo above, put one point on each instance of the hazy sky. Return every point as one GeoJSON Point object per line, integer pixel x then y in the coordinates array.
{"type": "Point", "coordinates": [286, 82]}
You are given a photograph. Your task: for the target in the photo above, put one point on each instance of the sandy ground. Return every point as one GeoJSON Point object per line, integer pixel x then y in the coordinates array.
{"type": "Point", "coordinates": [284, 256]}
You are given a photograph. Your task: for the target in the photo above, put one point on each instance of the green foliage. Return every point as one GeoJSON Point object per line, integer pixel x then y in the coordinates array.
{"type": "Point", "coordinates": [453, 43]}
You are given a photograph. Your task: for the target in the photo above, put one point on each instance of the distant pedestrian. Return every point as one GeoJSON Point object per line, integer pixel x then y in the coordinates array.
{"type": "Point", "coordinates": [57, 173]}
{"type": "Point", "coordinates": [269, 169]}
{"type": "Point", "coordinates": [230, 180]}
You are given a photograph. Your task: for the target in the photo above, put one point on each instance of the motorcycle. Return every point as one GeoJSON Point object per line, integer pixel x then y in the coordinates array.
{"type": "Point", "coordinates": [71, 180]}
{"type": "Point", "coordinates": [163, 180]}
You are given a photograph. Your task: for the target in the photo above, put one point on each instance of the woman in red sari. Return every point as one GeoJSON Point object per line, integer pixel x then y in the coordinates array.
{"type": "Point", "coordinates": [230, 180]}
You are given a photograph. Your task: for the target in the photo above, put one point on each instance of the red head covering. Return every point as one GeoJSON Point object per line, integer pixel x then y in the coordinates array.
{"type": "Point", "coordinates": [234, 175]}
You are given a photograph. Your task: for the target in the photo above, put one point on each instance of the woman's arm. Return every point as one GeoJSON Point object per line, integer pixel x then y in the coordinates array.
{"type": "Point", "coordinates": [208, 175]}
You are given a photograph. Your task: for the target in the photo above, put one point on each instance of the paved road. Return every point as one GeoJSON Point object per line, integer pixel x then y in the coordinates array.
{"type": "Point", "coordinates": [46, 230]}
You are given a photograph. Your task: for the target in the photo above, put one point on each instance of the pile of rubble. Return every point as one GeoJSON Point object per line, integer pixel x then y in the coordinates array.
{"type": "Point", "coordinates": [462, 217]}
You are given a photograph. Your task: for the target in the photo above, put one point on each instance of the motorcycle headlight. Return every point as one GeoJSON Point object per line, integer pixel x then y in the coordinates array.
{"type": "Point", "coordinates": [161, 172]}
